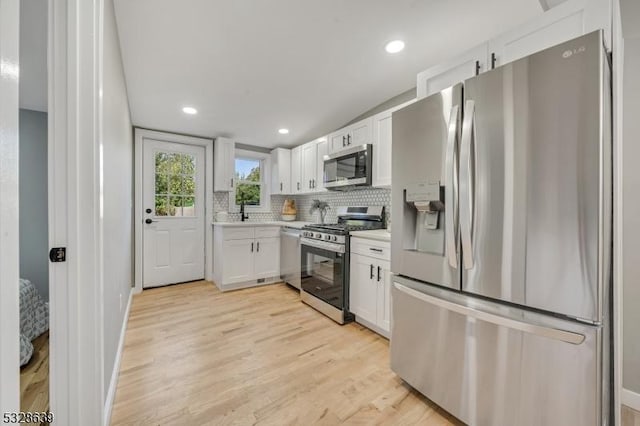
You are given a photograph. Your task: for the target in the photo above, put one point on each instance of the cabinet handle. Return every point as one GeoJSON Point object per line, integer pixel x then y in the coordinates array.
{"type": "Point", "coordinates": [251, 247]}
{"type": "Point", "coordinates": [375, 249]}
{"type": "Point", "coordinates": [477, 67]}
{"type": "Point", "coordinates": [343, 141]}
{"type": "Point", "coordinates": [258, 246]}
{"type": "Point", "coordinates": [231, 182]}
{"type": "Point", "coordinates": [314, 183]}
{"type": "Point", "coordinates": [280, 186]}
{"type": "Point", "coordinates": [348, 139]}
{"type": "Point", "coordinates": [379, 274]}
{"type": "Point", "coordinates": [310, 184]}
{"type": "Point", "coordinates": [493, 60]}
{"type": "Point", "coordinates": [371, 272]}
{"type": "Point", "coordinates": [298, 185]}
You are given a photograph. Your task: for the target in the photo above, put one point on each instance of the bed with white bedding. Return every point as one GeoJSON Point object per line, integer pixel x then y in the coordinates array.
{"type": "Point", "coordinates": [34, 318]}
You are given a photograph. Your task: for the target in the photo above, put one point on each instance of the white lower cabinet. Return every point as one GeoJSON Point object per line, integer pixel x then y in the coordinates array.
{"type": "Point", "coordinates": [246, 256]}
{"type": "Point", "coordinates": [370, 285]}
{"type": "Point", "coordinates": [266, 259]}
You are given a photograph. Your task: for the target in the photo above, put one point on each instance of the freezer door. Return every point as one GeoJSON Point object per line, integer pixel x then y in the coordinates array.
{"type": "Point", "coordinates": [535, 181]}
{"type": "Point", "coordinates": [491, 365]}
{"type": "Point", "coordinates": [424, 237]}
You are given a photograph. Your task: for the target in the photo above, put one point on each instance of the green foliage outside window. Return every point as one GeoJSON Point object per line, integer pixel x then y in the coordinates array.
{"type": "Point", "coordinates": [246, 189]}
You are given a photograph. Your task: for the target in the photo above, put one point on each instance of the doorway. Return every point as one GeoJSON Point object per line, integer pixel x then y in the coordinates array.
{"type": "Point", "coordinates": [33, 208]}
{"type": "Point", "coordinates": [174, 198]}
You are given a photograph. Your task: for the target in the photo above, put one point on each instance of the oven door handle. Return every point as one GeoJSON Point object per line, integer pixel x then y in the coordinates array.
{"type": "Point", "coordinates": [330, 247]}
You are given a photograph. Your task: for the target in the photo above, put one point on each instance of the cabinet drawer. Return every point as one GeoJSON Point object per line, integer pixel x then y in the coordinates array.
{"type": "Point", "coordinates": [267, 232]}
{"type": "Point", "coordinates": [372, 248]}
{"type": "Point", "coordinates": [244, 233]}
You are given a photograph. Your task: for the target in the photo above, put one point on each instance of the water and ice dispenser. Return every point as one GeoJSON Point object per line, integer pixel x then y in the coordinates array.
{"type": "Point", "coordinates": [424, 209]}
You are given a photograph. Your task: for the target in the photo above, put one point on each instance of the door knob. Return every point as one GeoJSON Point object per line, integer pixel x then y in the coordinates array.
{"type": "Point", "coordinates": [148, 211]}
{"type": "Point", "coordinates": [149, 221]}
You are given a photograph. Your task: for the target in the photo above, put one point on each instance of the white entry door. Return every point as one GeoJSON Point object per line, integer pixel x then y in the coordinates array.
{"type": "Point", "coordinates": [173, 213]}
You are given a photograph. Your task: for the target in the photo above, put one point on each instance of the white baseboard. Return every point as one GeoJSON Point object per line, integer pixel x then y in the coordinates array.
{"type": "Point", "coordinates": [630, 399]}
{"type": "Point", "coordinates": [113, 384]}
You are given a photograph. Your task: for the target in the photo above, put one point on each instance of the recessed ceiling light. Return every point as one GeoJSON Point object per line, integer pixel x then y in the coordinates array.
{"type": "Point", "coordinates": [189, 110]}
{"type": "Point", "coordinates": [283, 131]}
{"type": "Point", "coordinates": [394, 46]}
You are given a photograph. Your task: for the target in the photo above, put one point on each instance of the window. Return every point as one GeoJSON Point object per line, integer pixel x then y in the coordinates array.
{"type": "Point", "coordinates": [248, 174]}
{"type": "Point", "coordinates": [175, 184]}
{"type": "Point", "coordinates": [251, 177]}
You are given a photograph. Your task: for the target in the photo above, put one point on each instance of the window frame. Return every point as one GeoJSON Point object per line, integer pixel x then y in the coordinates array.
{"type": "Point", "coordinates": [265, 179]}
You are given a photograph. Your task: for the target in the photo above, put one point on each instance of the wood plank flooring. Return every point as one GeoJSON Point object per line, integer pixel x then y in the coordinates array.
{"type": "Point", "coordinates": [34, 378]}
{"type": "Point", "coordinates": [196, 356]}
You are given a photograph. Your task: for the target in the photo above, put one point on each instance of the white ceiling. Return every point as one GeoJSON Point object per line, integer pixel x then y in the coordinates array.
{"type": "Point", "coordinates": [33, 55]}
{"type": "Point", "coordinates": [252, 67]}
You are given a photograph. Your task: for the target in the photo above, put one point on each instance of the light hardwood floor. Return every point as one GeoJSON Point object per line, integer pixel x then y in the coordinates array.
{"type": "Point", "coordinates": [34, 378]}
{"type": "Point", "coordinates": [196, 356]}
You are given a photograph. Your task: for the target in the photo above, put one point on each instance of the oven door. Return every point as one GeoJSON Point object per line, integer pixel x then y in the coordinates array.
{"type": "Point", "coordinates": [348, 168]}
{"type": "Point", "coordinates": [323, 272]}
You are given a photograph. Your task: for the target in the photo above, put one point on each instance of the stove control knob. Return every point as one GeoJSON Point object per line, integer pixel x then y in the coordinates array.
{"type": "Point", "coordinates": [318, 235]}
{"type": "Point", "coordinates": [335, 238]}
{"type": "Point", "coordinates": [327, 237]}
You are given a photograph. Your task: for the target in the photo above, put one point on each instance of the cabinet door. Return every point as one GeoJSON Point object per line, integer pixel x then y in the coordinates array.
{"type": "Point", "coordinates": [280, 171]}
{"type": "Point", "coordinates": [237, 261]}
{"type": "Point", "coordinates": [383, 280]}
{"type": "Point", "coordinates": [557, 25]}
{"type": "Point", "coordinates": [360, 133]}
{"type": "Point", "coordinates": [452, 72]}
{"type": "Point", "coordinates": [267, 258]}
{"type": "Point", "coordinates": [382, 149]}
{"type": "Point", "coordinates": [296, 170]}
{"type": "Point", "coordinates": [223, 160]}
{"type": "Point", "coordinates": [338, 141]}
{"type": "Point", "coordinates": [363, 293]}
{"type": "Point", "coordinates": [309, 175]}
{"type": "Point", "coordinates": [322, 149]}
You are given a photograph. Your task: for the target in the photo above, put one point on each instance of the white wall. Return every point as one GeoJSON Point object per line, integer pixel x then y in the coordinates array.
{"type": "Point", "coordinates": [117, 137]}
{"type": "Point", "coordinates": [34, 220]}
{"type": "Point", "coordinates": [630, 14]}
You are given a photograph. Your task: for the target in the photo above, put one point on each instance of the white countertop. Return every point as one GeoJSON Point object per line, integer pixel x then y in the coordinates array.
{"type": "Point", "coordinates": [375, 234]}
{"type": "Point", "coordinates": [294, 224]}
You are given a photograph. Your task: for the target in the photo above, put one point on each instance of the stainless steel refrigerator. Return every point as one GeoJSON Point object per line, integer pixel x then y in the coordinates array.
{"type": "Point", "coordinates": [501, 241]}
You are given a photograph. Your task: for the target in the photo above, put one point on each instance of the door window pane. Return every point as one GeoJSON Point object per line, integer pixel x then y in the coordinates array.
{"type": "Point", "coordinates": [175, 184]}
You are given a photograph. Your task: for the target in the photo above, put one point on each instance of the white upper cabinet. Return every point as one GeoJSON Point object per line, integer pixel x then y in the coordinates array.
{"type": "Point", "coordinates": [223, 164]}
{"type": "Point", "coordinates": [281, 171]}
{"type": "Point", "coordinates": [296, 170]}
{"type": "Point", "coordinates": [309, 166]}
{"type": "Point", "coordinates": [564, 22]}
{"type": "Point", "coordinates": [382, 140]}
{"type": "Point", "coordinates": [322, 149]}
{"type": "Point", "coordinates": [355, 134]}
{"type": "Point", "coordinates": [447, 74]}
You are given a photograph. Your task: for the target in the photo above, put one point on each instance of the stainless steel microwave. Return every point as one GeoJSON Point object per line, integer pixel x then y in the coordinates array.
{"type": "Point", "coordinates": [348, 168]}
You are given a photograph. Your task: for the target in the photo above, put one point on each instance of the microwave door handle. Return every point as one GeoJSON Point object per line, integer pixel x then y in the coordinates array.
{"type": "Point", "coordinates": [451, 188]}
{"type": "Point", "coordinates": [466, 184]}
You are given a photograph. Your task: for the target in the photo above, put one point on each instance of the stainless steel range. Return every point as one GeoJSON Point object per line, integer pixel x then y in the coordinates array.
{"type": "Point", "coordinates": [325, 260]}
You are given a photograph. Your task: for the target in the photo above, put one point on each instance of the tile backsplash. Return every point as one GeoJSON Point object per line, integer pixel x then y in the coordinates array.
{"type": "Point", "coordinates": [359, 197]}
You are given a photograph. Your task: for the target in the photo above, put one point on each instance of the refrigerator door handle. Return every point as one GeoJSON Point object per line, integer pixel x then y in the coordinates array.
{"type": "Point", "coordinates": [451, 188]}
{"type": "Point", "coordinates": [466, 184]}
{"type": "Point", "coordinates": [548, 332]}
